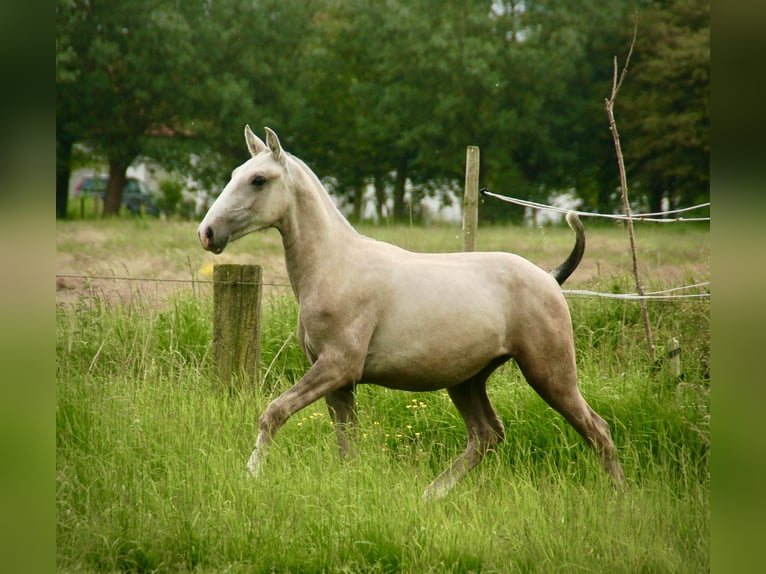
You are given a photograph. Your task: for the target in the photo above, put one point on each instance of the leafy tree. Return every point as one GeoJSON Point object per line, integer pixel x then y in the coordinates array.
{"type": "Point", "coordinates": [68, 128]}
{"type": "Point", "coordinates": [550, 134]}
{"type": "Point", "coordinates": [133, 61]}
{"type": "Point", "coordinates": [664, 113]}
{"type": "Point", "coordinates": [392, 93]}
{"type": "Point", "coordinates": [385, 92]}
{"type": "Point", "coordinates": [175, 81]}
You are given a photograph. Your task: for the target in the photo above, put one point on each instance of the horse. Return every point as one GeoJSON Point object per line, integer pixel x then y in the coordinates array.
{"type": "Point", "coordinates": [373, 313]}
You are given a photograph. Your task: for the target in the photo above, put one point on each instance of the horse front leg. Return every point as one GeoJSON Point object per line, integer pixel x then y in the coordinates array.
{"type": "Point", "coordinates": [324, 377]}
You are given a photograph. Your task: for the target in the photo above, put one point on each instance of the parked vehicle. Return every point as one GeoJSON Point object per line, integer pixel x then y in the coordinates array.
{"type": "Point", "coordinates": [136, 197]}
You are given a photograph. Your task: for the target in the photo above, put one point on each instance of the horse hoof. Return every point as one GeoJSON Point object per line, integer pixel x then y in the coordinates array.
{"type": "Point", "coordinates": [434, 492]}
{"type": "Point", "coordinates": [254, 464]}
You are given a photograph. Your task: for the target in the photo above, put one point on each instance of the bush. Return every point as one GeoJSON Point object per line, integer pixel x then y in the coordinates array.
{"type": "Point", "coordinates": [171, 191]}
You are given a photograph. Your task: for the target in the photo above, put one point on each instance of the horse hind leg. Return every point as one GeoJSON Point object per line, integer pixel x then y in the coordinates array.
{"type": "Point", "coordinates": [559, 389]}
{"type": "Point", "coordinates": [341, 405]}
{"type": "Point", "coordinates": [485, 431]}
{"type": "Point", "coordinates": [606, 447]}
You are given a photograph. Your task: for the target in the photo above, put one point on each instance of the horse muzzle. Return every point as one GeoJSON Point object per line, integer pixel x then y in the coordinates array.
{"type": "Point", "coordinates": [210, 241]}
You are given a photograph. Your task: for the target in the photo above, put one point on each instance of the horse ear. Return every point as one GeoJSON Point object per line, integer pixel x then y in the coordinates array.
{"type": "Point", "coordinates": [273, 142]}
{"type": "Point", "coordinates": [254, 143]}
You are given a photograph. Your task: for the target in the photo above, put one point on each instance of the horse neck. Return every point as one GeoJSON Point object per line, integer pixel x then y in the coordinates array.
{"type": "Point", "coordinates": [314, 233]}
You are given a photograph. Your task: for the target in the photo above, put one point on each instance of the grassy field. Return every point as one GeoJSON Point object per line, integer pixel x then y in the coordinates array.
{"type": "Point", "coordinates": [151, 454]}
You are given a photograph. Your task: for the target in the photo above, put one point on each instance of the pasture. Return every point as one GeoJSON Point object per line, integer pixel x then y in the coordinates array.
{"type": "Point", "coordinates": [151, 454]}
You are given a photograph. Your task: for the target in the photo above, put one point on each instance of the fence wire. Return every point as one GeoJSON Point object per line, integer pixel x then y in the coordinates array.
{"type": "Point", "coordinates": [663, 295]}
{"type": "Point", "coordinates": [651, 296]}
{"type": "Point", "coordinates": [655, 217]}
{"type": "Point", "coordinates": [171, 280]}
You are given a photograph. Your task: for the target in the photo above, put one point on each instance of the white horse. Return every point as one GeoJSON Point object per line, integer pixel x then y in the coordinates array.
{"type": "Point", "coordinates": [371, 312]}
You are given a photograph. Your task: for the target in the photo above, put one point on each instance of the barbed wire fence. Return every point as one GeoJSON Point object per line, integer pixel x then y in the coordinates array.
{"type": "Point", "coordinates": [679, 293]}
{"type": "Point", "coordinates": [158, 280]}
{"type": "Point", "coordinates": [670, 294]}
{"type": "Point", "coordinates": [662, 295]}
{"type": "Point", "coordinates": [656, 217]}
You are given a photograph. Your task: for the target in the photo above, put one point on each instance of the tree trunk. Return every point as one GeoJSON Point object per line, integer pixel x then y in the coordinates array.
{"type": "Point", "coordinates": [63, 171]}
{"type": "Point", "coordinates": [358, 201]}
{"type": "Point", "coordinates": [115, 185]}
{"type": "Point", "coordinates": [655, 199]}
{"type": "Point", "coordinates": [400, 209]}
{"type": "Point", "coordinates": [380, 195]}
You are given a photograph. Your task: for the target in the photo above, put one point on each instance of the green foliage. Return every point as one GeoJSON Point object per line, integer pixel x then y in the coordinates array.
{"type": "Point", "coordinates": [665, 109]}
{"type": "Point", "coordinates": [171, 191]}
{"type": "Point", "coordinates": [389, 93]}
{"type": "Point", "coordinates": [129, 71]}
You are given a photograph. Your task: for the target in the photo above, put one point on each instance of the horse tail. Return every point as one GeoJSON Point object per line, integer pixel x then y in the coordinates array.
{"type": "Point", "coordinates": [563, 271]}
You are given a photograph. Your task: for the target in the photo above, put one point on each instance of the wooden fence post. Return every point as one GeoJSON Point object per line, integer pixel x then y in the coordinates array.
{"type": "Point", "coordinates": [471, 198]}
{"type": "Point", "coordinates": [237, 322]}
{"type": "Point", "coordinates": [674, 358]}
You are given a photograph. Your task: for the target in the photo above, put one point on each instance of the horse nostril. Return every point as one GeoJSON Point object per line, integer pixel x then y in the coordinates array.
{"type": "Point", "coordinates": [205, 235]}
{"type": "Point", "coordinates": [209, 240]}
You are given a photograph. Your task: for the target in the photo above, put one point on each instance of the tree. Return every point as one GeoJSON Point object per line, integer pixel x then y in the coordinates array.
{"type": "Point", "coordinates": [132, 64]}
{"type": "Point", "coordinates": [392, 91]}
{"type": "Point", "coordinates": [665, 112]}
{"type": "Point", "coordinates": [175, 80]}
{"type": "Point", "coordinates": [398, 89]}
{"type": "Point", "coordinates": [381, 92]}
{"type": "Point", "coordinates": [68, 127]}
{"type": "Point", "coordinates": [555, 60]}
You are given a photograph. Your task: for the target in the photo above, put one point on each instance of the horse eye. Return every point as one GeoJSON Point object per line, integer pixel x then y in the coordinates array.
{"type": "Point", "coordinates": [259, 180]}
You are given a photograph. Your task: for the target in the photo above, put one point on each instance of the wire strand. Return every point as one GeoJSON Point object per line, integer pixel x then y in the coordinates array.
{"type": "Point", "coordinates": [652, 217]}
{"type": "Point", "coordinates": [157, 280]}
{"type": "Point", "coordinates": [634, 296]}
{"type": "Point", "coordinates": [651, 295]}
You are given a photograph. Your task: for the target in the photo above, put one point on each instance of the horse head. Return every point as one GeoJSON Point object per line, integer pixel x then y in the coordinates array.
{"type": "Point", "coordinates": [256, 197]}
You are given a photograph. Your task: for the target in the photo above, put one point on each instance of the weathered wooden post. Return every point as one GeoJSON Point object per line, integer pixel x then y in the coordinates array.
{"type": "Point", "coordinates": [674, 358]}
{"type": "Point", "coordinates": [471, 198]}
{"type": "Point", "coordinates": [237, 322]}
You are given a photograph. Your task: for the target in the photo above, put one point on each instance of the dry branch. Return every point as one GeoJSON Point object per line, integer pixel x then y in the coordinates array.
{"type": "Point", "coordinates": [616, 85]}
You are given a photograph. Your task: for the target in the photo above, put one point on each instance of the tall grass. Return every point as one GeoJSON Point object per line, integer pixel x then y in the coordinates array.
{"type": "Point", "coordinates": [151, 474]}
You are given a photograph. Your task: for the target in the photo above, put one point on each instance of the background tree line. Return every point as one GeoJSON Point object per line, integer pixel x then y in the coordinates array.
{"type": "Point", "coordinates": [389, 92]}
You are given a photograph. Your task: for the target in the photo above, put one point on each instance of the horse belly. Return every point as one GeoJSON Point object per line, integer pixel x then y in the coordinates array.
{"type": "Point", "coordinates": [434, 352]}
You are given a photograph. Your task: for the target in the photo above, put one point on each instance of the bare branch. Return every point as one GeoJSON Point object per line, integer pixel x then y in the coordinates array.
{"type": "Point", "coordinates": [616, 84]}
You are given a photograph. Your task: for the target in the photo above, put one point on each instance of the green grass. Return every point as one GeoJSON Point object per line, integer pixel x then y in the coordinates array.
{"type": "Point", "coordinates": [151, 453]}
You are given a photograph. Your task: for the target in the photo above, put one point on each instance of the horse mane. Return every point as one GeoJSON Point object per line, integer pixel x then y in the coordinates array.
{"type": "Point", "coordinates": [322, 189]}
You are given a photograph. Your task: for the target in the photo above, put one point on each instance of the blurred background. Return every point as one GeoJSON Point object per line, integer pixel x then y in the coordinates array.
{"type": "Point", "coordinates": [381, 98]}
